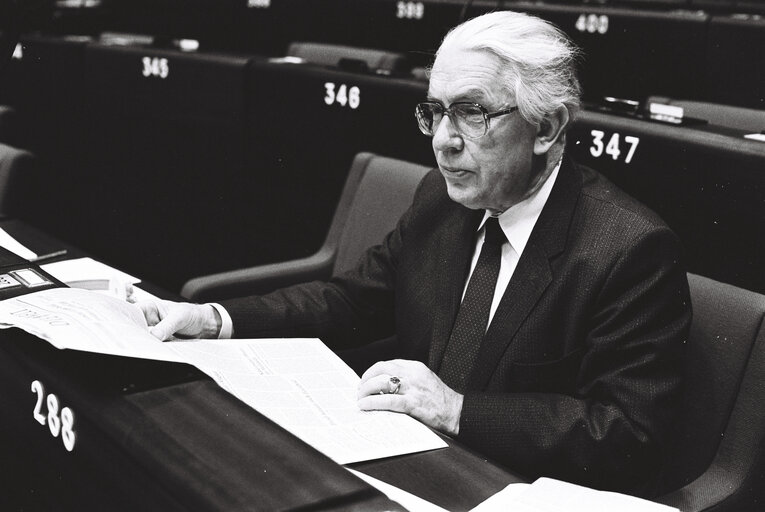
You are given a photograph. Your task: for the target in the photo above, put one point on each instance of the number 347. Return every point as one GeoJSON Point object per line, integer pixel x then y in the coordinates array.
{"type": "Point", "coordinates": [612, 148]}
{"type": "Point", "coordinates": [59, 421]}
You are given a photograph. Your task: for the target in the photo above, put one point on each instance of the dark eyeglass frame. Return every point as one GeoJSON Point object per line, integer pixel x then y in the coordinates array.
{"type": "Point", "coordinates": [449, 110]}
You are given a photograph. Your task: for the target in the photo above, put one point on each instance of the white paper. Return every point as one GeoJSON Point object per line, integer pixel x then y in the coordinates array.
{"type": "Point", "coordinates": [550, 495]}
{"type": "Point", "coordinates": [298, 383]}
{"type": "Point", "coordinates": [309, 391]}
{"type": "Point", "coordinates": [407, 500]}
{"type": "Point", "coordinates": [83, 320]}
{"type": "Point", "coordinates": [503, 500]}
{"type": "Point", "coordinates": [13, 245]}
{"type": "Point", "coordinates": [84, 270]}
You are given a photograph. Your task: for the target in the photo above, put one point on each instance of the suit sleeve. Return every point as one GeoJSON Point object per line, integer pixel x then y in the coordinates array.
{"type": "Point", "coordinates": [614, 430]}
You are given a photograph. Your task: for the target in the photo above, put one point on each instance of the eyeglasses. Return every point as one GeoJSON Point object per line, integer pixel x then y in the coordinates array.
{"type": "Point", "coordinates": [470, 119]}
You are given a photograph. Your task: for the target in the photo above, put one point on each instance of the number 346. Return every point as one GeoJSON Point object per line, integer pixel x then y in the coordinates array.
{"type": "Point", "coordinates": [59, 421]}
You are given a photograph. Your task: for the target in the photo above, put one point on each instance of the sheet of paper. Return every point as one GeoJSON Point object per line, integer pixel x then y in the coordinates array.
{"type": "Point", "coordinates": [407, 500]}
{"type": "Point", "coordinates": [550, 495]}
{"type": "Point", "coordinates": [84, 270]}
{"type": "Point", "coordinates": [301, 385]}
{"type": "Point", "coordinates": [83, 320]}
{"type": "Point", "coordinates": [503, 500]}
{"type": "Point", "coordinates": [13, 245]}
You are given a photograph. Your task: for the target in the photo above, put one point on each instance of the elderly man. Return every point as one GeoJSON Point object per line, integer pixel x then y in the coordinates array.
{"type": "Point", "coordinates": [540, 312]}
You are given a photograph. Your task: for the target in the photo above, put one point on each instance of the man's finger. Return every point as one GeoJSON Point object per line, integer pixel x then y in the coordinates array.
{"type": "Point", "coordinates": [171, 324]}
{"type": "Point", "coordinates": [387, 402]}
{"type": "Point", "coordinates": [380, 368]}
{"type": "Point", "coordinates": [150, 311]}
{"type": "Point", "coordinates": [374, 385]}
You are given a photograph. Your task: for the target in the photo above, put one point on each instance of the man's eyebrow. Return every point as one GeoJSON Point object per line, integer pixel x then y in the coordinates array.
{"type": "Point", "coordinates": [474, 94]}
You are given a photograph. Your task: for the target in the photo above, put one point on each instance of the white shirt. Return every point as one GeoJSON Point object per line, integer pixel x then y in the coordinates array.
{"type": "Point", "coordinates": [516, 222]}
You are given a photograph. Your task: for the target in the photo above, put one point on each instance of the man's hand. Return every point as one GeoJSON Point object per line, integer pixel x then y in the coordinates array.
{"type": "Point", "coordinates": [189, 320]}
{"type": "Point", "coordinates": [421, 394]}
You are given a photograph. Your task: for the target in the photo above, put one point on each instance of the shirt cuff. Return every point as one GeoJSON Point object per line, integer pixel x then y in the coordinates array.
{"type": "Point", "coordinates": [227, 325]}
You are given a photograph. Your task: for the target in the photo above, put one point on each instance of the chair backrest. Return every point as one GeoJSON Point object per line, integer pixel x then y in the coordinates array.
{"type": "Point", "coordinates": [385, 190]}
{"type": "Point", "coordinates": [15, 166]}
{"type": "Point", "coordinates": [376, 193]}
{"type": "Point", "coordinates": [723, 424]}
{"type": "Point", "coordinates": [8, 125]}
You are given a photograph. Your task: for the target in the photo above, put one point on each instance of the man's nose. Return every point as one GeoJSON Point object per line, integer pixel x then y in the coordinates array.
{"type": "Point", "coordinates": [446, 138]}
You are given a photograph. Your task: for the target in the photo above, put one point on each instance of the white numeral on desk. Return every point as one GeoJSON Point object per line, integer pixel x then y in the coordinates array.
{"type": "Point", "coordinates": [155, 67]}
{"type": "Point", "coordinates": [592, 23]}
{"type": "Point", "coordinates": [410, 10]}
{"type": "Point", "coordinates": [38, 389]}
{"type": "Point", "coordinates": [343, 95]}
{"type": "Point", "coordinates": [612, 148]}
{"type": "Point", "coordinates": [62, 423]}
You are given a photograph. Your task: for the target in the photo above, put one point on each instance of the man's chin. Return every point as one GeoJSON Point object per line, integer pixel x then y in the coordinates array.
{"type": "Point", "coordinates": [462, 195]}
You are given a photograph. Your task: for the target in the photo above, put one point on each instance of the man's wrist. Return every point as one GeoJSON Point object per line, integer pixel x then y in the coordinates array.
{"type": "Point", "coordinates": [224, 325]}
{"type": "Point", "coordinates": [454, 427]}
{"type": "Point", "coordinates": [213, 323]}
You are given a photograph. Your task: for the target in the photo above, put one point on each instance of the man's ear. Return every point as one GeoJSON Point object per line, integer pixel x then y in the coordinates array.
{"type": "Point", "coordinates": [551, 130]}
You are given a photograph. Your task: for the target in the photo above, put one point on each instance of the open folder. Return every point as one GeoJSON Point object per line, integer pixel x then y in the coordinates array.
{"type": "Point", "coordinates": [299, 384]}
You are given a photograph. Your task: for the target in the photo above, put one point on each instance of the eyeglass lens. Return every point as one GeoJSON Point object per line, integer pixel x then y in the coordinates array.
{"type": "Point", "coordinates": [467, 118]}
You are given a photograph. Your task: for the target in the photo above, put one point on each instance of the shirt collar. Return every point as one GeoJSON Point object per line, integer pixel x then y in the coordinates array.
{"type": "Point", "coordinates": [518, 221]}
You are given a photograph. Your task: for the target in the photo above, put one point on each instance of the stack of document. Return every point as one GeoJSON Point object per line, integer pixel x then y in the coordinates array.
{"type": "Point", "coordinates": [550, 495]}
{"type": "Point", "coordinates": [299, 384]}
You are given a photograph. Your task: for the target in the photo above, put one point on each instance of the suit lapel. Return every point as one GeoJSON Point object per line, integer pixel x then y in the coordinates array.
{"type": "Point", "coordinates": [455, 249]}
{"type": "Point", "coordinates": [532, 276]}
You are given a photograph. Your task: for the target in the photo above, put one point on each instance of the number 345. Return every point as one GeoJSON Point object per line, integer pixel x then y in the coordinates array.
{"type": "Point", "coordinates": [59, 421]}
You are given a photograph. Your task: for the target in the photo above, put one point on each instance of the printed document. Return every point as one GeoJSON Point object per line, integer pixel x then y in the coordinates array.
{"type": "Point", "coordinates": [299, 384]}
{"type": "Point", "coordinates": [83, 320]}
{"type": "Point", "coordinates": [550, 495]}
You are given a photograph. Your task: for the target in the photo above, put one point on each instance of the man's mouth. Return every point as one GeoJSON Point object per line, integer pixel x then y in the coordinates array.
{"type": "Point", "coordinates": [453, 171]}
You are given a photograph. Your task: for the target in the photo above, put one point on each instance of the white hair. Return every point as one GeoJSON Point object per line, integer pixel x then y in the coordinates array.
{"type": "Point", "coordinates": [539, 60]}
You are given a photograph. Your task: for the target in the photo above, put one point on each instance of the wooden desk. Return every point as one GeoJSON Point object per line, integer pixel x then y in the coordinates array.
{"type": "Point", "coordinates": [162, 436]}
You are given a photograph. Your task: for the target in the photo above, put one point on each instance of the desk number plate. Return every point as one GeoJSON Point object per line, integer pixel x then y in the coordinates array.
{"type": "Point", "coordinates": [60, 420]}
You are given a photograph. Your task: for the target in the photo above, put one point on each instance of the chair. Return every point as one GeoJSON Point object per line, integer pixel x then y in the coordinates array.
{"type": "Point", "coordinates": [15, 168]}
{"type": "Point", "coordinates": [8, 125]}
{"type": "Point", "coordinates": [377, 191]}
{"type": "Point", "coordinates": [718, 460]}
{"type": "Point", "coordinates": [301, 143]}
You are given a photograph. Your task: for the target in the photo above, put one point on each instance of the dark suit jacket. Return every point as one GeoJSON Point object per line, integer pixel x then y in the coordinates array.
{"type": "Point", "coordinates": [578, 376]}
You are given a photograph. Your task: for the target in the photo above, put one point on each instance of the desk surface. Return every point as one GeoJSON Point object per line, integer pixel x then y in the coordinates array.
{"type": "Point", "coordinates": [161, 436]}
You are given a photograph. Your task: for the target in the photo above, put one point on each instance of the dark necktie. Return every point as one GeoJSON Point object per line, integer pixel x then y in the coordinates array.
{"type": "Point", "coordinates": [473, 316]}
